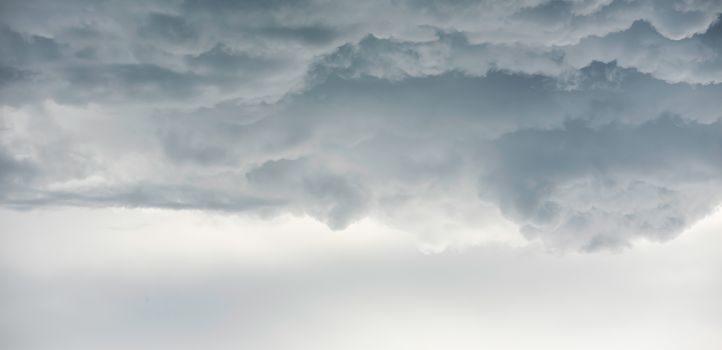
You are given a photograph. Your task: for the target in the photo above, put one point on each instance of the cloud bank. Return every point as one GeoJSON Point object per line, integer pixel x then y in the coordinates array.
{"type": "Point", "coordinates": [587, 124]}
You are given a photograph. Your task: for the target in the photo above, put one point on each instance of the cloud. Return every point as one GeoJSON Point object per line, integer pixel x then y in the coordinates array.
{"type": "Point", "coordinates": [168, 27]}
{"type": "Point", "coordinates": [14, 173]}
{"type": "Point", "coordinates": [587, 124]}
{"type": "Point", "coordinates": [693, 60]}
{"type": "Point", "coordinates": [329, 195]}
{"type": "Point", "coordinates": [595, 188]}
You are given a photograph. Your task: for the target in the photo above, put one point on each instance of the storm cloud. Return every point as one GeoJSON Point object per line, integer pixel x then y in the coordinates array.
{"type": "Point", "coordinates": [588, 124]}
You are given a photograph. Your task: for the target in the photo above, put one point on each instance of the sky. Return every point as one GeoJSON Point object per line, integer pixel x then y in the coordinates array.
{"type": "Point", "coordinates": [383, 174]}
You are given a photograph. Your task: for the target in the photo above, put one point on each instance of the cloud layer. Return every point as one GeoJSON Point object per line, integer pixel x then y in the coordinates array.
{"type": "Point", "coordinates": [588, 124]}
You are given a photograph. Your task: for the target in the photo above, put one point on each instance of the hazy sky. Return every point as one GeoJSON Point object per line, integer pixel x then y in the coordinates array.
{"type": "Point", "coordinates": [383, 174]}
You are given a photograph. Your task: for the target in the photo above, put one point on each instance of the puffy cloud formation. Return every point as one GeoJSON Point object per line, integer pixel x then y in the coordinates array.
{"type": "Point", "coordinates": [586, 123]}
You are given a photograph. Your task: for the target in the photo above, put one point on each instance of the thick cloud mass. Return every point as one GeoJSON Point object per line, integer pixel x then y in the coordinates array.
{"type": "Point", "coordinates": [587, 123]}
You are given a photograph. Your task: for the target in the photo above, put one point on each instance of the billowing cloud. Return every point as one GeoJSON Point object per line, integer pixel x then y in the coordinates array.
{"type": "Point", "coordinates": [595, 187]}
{"type": "Point", "coordinates": [587, 124]}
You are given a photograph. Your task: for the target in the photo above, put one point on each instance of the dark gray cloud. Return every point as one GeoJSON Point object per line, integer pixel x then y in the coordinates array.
{"type": "Point", "coordinates": [596, 188]}
{"type": "Point", "coordinates": [589, 124]}
{"type": "Point", "coordinates": [168, 27]}
{"type": "Point", "coordinates": [20, 50]}
{"type": "Point", "coordinates": [309, 34]}
{"type": "Point", "coordinates": [335, 197]}
{"type": "Point", "coordinates": [128, 81]}
{"type": "Point", "coordinates": [14, 173]}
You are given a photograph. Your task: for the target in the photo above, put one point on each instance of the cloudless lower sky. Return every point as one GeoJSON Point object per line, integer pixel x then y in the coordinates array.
{"type": "Point", "coordinates": [150, 279]}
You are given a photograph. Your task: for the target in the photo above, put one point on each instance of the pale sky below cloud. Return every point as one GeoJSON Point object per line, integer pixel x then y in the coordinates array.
{"type": "Point", "coordinates": [147, 279]}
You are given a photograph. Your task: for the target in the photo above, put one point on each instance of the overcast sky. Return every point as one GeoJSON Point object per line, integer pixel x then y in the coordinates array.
{"type": "Point", "coordinates": [383, 174]}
